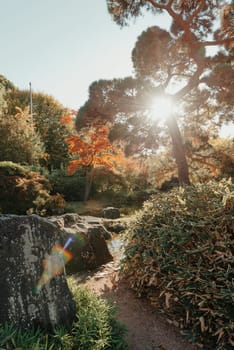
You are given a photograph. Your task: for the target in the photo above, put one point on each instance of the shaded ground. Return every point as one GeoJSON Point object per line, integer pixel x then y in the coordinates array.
{"type": "Point", "coordinates": [147, 329]}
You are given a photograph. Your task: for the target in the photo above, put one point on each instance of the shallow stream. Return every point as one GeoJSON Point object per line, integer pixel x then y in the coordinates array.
{"type": "Point", "coordinates": [116, 244]}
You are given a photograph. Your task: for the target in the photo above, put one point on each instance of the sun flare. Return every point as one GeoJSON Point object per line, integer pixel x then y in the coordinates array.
{"type": "Point", "coordinates": [161, 107]}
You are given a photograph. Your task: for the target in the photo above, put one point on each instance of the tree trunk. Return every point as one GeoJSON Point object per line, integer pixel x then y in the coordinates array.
{"type": "Point", "coordinates": [178, 151]}
{"type": "Point", "coordinates": [88, 183]}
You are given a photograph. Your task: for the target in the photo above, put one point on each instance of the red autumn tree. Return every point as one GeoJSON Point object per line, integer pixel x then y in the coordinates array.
{"type": "Point", "coordinates": [91, 150]}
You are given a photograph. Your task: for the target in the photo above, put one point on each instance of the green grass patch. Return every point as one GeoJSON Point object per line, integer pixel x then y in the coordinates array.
{"type": "Point", "coordinates": [95, 328]}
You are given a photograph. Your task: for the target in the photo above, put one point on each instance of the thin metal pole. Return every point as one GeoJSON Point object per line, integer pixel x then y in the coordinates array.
{"type": "Point", "coordinates": [30, 101]}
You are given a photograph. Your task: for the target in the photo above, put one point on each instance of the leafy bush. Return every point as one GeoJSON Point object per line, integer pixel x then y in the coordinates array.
{"type": "Point", "coordinates": [47, 113]}
{"type": "Point", "coordinates": [70, 186]}
{"type": "Point", "coordinates": [19, 140]}
{"type": "Point", "coordinates": [23, 191]}
{"type": "Point", "coordinates": [50, 204]}
{"type": "Point", "coordinates": [180, 255]}
{"type": "Point", "coordinates": [94, 329]}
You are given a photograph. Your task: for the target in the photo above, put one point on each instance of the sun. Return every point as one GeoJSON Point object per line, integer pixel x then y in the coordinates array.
{"type": "Point", "coordinates": [161, 107]}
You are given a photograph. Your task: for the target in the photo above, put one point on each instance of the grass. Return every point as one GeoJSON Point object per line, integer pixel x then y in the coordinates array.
{"type": "Point", "coordinates": [95, 328]}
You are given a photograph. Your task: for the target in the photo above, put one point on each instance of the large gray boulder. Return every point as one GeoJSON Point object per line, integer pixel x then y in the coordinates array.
{"type": "Point", "coordinates": [30, 293]}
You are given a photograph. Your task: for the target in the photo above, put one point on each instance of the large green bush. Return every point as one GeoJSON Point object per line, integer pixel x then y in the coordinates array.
{"type": "Point", "coordinates": [180, 255]}
{"type": "Point", "coordinates": [70, 186]}
{"type": "Point", "coordinates": [19, 140]}
{"type": "Point", "coordinates": [23, 191]}
{"type": "Point", "coordinates": [47, 112]}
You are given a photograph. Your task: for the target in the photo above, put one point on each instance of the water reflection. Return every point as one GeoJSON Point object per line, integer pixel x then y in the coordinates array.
{"type": "Point", "coordinates": [116, 244]}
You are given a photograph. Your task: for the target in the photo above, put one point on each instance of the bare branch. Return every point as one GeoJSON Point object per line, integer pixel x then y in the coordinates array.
{"type": "Point", "coordinates": [169, 76]}
{"type": "Point", "coordinates": [197, 11]}
{"type": "Point", "coordinates": [178, 19]}
{"type": "Point", "coordinates": [193, 81]}
{"type": "Point", "coordinates": [215, 42]}
{"type": "Point", "coordinates": [202, 159]}
{"type": "Point", "coordinates": [156, 4]}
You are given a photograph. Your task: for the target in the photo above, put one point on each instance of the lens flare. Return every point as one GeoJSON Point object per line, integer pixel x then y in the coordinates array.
{"type": "Point", "coordinates": [54, 263]}
{"type": "Point", "coordinates": [67, 243]}
{"type": "Point", "coordinates": [161, 107]}
{"type": "Point", "coordinates": [79, 238]}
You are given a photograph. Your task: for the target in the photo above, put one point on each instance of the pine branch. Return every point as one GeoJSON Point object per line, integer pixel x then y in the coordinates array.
{"type": "Point", "coordinates": [197, 11]}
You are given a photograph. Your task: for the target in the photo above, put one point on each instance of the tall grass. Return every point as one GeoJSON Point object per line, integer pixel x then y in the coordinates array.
{"type": "Point", "coordinates": [180, 255]}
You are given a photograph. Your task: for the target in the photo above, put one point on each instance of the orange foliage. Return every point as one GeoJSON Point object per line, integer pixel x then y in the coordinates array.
{"type": "Point", "coordinates": [94, 149]}
{"type": "Point", "coordinates": [66, 119]}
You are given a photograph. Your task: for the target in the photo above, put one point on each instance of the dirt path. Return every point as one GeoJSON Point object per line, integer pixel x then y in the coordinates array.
{"type": "Point", "coordinates": [147, 329]}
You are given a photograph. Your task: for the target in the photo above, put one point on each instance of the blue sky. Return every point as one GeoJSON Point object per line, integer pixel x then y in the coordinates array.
{"type": "Point", "coordinates": [62, 46]}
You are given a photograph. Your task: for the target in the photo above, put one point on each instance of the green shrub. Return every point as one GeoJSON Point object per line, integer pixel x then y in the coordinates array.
{"type": "Point", "coordinates": [94, 329]}
{"type": "Point", "coordinates": [180, 255]}
{"type": "Point", "coordinates": [23, 191]}
{"type": "Point", "coordinates": [70, 186]}
{"type": "Point", "coordinates": [19, 140]}
{"type": "Point", "coordinates": [51, 205]}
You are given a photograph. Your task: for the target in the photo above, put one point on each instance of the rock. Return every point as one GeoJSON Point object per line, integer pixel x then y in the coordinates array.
{"type": "Point", "coordinates": [58, 221]}
{"type": "Point", "coordinates": [92, 220]}
{"type": "Point", "coordinates": [26, 241]}
{"type": "Point", "coordinates": [116, 227]}
{"type": "Point", "coordinates": [99, 230]}
{"type": "Point", "coordinates": [110, 213]}
{"type": "Point", "coordinates": [79, 248]}
{"type": "Point", "coordinates": [71, 219]}
{"type": "Point", "coordinates": [88, 248]}
{"type": "Point", "coordinates": [81, 226]}
{"type": "Point", "coordinates": [99, 246]}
